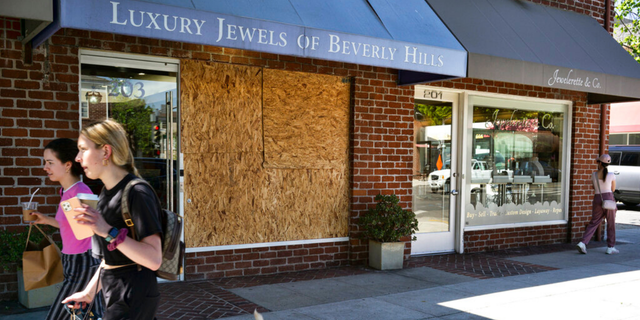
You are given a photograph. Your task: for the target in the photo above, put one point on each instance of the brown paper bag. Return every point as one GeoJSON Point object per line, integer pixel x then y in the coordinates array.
{"type": "Point", "coordinates": [41, 263]}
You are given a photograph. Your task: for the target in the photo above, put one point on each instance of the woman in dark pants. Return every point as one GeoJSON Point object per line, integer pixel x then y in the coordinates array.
{"type": "Point", "coordinates": [606, 185]}
{"type": "Point", "coordinates": [127, 277]}
{"type": "Point", "coordinates": [77, 262]}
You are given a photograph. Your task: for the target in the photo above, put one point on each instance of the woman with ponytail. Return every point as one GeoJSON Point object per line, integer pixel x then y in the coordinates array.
{"type": "Point", "coordinates": [77, 263]}
{"type": "Point", "coordinates": [606, 185]}
{"type": "Point", "coordinates": [126, 276]}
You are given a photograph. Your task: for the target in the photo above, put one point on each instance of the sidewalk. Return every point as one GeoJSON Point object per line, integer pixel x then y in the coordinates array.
{"type": "Point", "coordinates": [511, 285]}
{"type": "Point", "coordinates": [529, 283]}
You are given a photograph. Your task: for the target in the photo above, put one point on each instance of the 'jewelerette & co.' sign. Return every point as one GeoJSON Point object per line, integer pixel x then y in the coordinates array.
{"type": "Point", "coordinates": [573, 79]}
{"type": "Point", "coordinates": [186, 25]}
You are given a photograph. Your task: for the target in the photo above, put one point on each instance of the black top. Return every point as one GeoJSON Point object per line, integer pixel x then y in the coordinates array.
{"type": "Point", "coordinates": [144, 212]}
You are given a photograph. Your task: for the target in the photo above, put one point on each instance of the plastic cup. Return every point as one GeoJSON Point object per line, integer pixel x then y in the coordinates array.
{"type": "Point", "coordinates": [27, 208]}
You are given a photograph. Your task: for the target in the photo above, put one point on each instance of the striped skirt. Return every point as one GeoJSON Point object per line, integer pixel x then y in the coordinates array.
{"type": "Point", "coordinates": [78, 271]}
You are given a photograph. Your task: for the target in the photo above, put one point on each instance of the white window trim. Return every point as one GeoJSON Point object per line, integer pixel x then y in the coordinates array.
{"type": "Point", "coordinates": [531, 104]}
{"type": "Point", "coordinates": [129, 60]}
{"type": "Point", "coordinates": [265, 244]}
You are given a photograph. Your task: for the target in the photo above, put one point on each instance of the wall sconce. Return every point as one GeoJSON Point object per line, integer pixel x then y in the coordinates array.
{"type": "Point", "coordinates": [93, 97]}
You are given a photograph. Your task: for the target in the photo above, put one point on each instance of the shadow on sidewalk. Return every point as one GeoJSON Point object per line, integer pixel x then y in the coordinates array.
{"type": "Point", "coordinates": [213, 299]}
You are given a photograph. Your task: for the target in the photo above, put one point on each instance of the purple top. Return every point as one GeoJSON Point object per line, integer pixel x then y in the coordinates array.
{"type": "Point", "coordinates": [71, 245]}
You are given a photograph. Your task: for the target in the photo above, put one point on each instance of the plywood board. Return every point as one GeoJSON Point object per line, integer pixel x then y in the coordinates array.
{"type": "Point", "coordinates": [231, 198]}
{"type": "Point", "coordinates": [238, 202]}
{"type": "Point", "coordinates": [221, 107]}
{"type": "Point", "coordinates": [306, 120]}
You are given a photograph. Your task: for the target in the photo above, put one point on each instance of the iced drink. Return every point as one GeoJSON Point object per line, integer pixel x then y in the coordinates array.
{"type": "Point", "coordinates": [27, 208]}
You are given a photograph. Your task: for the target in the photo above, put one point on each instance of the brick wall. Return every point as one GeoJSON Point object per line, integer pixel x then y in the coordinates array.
{"type": "Point", "coordinates": [381, 139]}
{"type": "Point", "coordinates": [39, 102]}
{"type": "Point", "coordinates": [266, 260]}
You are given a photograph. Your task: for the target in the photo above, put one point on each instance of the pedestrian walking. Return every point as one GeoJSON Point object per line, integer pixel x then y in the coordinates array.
{"type": "Point", "coordinates": [604, 184]}
{"type": "Point", "coordinates": [126, 276]}
{"type": "Point", "coordinates": [77, 263]}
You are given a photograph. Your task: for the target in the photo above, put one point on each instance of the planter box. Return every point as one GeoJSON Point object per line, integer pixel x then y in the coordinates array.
{"type": "Point", "coordinates": [386, 255]}
{"type": "Point", "coordinates": [37, 298]}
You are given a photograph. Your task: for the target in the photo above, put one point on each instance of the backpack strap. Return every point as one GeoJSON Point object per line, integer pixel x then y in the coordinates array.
{"type": "Point", "coordinates": [126, 215]}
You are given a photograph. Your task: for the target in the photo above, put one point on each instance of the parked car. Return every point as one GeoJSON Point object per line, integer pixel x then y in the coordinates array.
{"type": "Point", "coordinates": [625, 164]}
{"type": "Point", "coordinates": [440, 179]}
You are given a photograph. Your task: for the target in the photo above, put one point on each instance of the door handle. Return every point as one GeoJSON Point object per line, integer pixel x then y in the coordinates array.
{"type": "Point", "coordinates": [454, 192]}
{"type": "Point", "coordinates": [616, 172]}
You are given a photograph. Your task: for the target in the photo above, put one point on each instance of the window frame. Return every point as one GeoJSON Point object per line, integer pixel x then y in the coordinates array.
{"type": "Point", "coordinates": [472, 98]}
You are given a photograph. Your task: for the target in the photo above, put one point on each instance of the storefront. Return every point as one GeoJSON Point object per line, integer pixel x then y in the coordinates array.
{"type": "Point", "coordinates": [487, 161]}
{"type": "Point", "coordinates": [271, 128]}
{"type": "Point", "coordinates": [496, 156]}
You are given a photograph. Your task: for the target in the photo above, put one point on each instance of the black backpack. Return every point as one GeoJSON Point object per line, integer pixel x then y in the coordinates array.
{"type": "Point", "coordinates": [172, 247]}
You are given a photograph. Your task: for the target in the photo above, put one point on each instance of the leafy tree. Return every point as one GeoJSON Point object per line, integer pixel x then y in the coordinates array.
{"type": "Point", "coordinates": [437, 114]}
{"type": "Point", "coordinates": [627, 26]}
{"type": "Point", "coordinates": [134, 115]}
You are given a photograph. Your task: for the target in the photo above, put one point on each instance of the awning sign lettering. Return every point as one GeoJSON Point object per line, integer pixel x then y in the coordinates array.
{"type": "Point", "coordinates": [179, 24]}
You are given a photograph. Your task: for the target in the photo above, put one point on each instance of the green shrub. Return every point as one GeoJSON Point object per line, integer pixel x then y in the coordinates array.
{"type": "Point", "coordinates": [12, 245]}
{"type": "Point", "coordinates": [387, 221]}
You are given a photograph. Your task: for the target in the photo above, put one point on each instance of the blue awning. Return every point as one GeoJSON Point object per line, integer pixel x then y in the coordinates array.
{"type": "Point", "coordinates": [399, 34]}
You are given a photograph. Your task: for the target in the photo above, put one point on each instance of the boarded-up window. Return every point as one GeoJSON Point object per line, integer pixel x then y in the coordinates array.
{"type": "Point", "coordinates": [306, 120]}
{"type": "Point", "coordinates": [238, 197]}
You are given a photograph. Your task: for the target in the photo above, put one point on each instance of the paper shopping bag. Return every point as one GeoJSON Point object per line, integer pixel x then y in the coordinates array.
{"type": "Point", "coordinates": [41, 263]}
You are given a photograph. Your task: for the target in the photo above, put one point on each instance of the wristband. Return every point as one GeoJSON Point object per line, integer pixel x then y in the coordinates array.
{"type": "Point", "coordinates": [119, 239]}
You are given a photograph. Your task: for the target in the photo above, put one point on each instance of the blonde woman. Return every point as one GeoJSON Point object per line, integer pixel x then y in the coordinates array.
{"type": "Point", "coordinates": [77, 263]}
{"type": "Point", "coordinates": [126, 277]}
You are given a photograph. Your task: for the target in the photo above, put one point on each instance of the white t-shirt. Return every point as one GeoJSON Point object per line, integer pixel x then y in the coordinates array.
{"type": "Point", "coordinates": [605, 186]}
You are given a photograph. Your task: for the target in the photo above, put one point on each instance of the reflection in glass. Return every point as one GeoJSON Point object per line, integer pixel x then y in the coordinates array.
{"type": "Point", "coordinates": [432, 165]}
{"type": "Point", "coordinates": [515, 166]}
{"type": "Point", "coordinates": [143, 101]}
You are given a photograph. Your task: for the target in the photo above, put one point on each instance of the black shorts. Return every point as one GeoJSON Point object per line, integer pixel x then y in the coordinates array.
{"type": "Point", "coordinates": [130, 294]}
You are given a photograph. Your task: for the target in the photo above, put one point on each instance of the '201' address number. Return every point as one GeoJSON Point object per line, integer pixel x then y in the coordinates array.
{"type": "Point", "coordinates": [433, 94]}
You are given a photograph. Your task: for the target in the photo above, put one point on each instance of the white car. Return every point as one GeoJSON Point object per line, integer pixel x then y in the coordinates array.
{"type": "Point", "coordinates": [438, 179]}
{"type": "Point", "coordinates": [480, 173]}
{"type": "Point", "coordinates": [625, 164]}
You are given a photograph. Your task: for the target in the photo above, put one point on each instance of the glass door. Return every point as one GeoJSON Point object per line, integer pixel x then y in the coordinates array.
{"type": "Point", "coordinates": [142, 96]}
{"type": "Point", "coordinates": [434, 170]}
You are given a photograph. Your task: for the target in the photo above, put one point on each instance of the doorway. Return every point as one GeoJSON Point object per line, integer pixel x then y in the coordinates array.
{"type": "Point", "coordinates": [435, 170]}
{"type": "Point", "coordinates": [140, 93]}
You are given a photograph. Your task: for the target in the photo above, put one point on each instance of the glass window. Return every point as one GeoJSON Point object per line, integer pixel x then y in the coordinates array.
{"type": "Point", "coordinates": [634, 138]}
{"type": "Point", "coordinates": [432, 165]}
{"type": "Point", "coordinates": [630, 159]}
{"type": "Point", "coordinates": [617, 139]}
{"type": "Point", "coordinates": [615, 158]}
{"type": "Point", "coordinates": [515, 167]}
{"type": "Point", "coordinates": [84, 110]}
{"type": "Point", "coordinates": [145, 103]}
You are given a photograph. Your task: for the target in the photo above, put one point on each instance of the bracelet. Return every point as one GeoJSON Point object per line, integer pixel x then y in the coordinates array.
{"type": "Point", "coordinates": [119, 239]}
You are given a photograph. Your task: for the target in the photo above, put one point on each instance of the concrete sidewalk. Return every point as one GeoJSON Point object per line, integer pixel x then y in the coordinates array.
{"type": "Point", "coordinates": [512, 284]}
{"type": "Point", "coordinates": [592, 286]}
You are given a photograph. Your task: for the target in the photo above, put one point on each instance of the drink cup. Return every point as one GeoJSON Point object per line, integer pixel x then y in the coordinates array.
{"type": "Point", "coordinates": [87, 198]}
{"type": "Point", "coordinates": [27, 208]}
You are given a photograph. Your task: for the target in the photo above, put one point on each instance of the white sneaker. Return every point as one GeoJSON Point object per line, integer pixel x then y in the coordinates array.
{"type": "Point", "coordinates": [612, 250]}
{"type": "Point", "coordinates": [582, 248]}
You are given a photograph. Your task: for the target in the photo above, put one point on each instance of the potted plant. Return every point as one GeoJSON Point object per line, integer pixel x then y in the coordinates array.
{"type": "Point", "coordinates": [384, 225]}
{"type": "Point", "coordinates": [12, 245]}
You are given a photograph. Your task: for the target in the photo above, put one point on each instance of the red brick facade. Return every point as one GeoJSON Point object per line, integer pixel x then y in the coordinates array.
{"type": "Point", "coordinates": [266, 260]}
{"type": "Point", "coordinates": [39, 102]}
